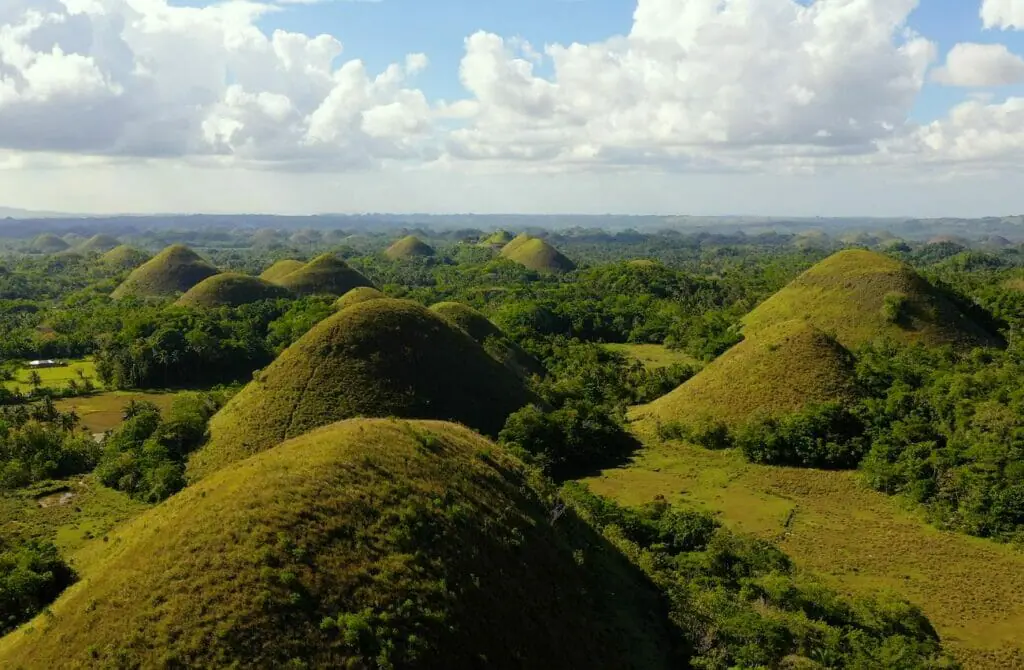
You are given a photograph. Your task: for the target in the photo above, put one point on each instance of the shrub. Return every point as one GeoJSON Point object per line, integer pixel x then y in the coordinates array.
{"type": "Point", "coordinates": [825, 436]}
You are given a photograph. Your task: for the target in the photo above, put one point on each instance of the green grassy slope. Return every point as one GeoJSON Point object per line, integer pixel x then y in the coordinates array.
{"type": "Point", "coordinates": [498, 238]}
{"type": "Point", "coordinates": [358, 295]}
{"type": "Point", "coordinates": [231, 289]}
{"type": "Point", "coordinates": [48, 243]}
{"type": "Point", "coordinates": [536, 254]}
{"type": "Point", "coordinates": [845, 293]}
{"type": "Point", "coordinates": [490, 337]}
{"type": "Point", "coordinates": [124, 256]}
{"type": "Point", "coordinates": [281, 269]}
{"type": "Point", "coordinates": [778, 371]}
{"type": "Point", "coordinates": [377, 358]}
{"type": "Point", "coordinates": [324, 274]}
{"type": "Point", "coordinates": [409, 246]}
{"type": "Point", "coordinates": [100, 244]}
{"type": "Point", "coordinates": [366, 544]}
{"type": "Point", "coordinates": [174, 270]}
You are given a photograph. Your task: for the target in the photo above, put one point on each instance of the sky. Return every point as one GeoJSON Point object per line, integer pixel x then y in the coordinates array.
{"type": "Point", "coordinates": [703, 107]}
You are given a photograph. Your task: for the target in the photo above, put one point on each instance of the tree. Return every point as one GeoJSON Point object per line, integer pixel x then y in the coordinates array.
{"type": "Point", "coordinates": [35, 380]}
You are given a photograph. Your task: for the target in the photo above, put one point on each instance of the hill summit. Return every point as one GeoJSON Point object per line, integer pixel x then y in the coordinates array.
{"type": "Point", "coordinates": [365, 544]}
{"type": "Point", "coordinates": [174, 270]}
{"type": "Point", "coordinates": [281, 269]}
{"type": "Point", "coordinates": [231, 289]}
{"type": "Point", "coordinates": [48, 243]}
{"type": "Point", "coordinates": [100, 244]}
{"type": "Point", "coordinates": [536, 254]}
{"type": "Point", "coordinates": [123, 257]}
{"type": "Point", "coordinates": [861, 296]}
{"type": "Point", "coordinates": [409, 246]}
{"type": "Point", "coordinates": [495, 342]}
{"type": "Point", "coordinates": [377, 358]}
{"type": "Point", "coordinates": [358, 295]}
{"type": "Point", "coordinates": [324, 274]}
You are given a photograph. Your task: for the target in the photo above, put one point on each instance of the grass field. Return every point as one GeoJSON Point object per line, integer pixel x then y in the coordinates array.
{"type": "Point", "coordinates": [56, 377]}
{"type": "Point", "coordinates": [653, 355]}
{"type": "Point", "coordinates": [102, 411]}
{"type": "Point", "coordinates": [857, 539]}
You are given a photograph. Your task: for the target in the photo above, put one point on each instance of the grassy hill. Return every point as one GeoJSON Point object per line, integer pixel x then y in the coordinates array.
{"type": "Point", "coordinates": [174, 270]}
{"type": "Point", "coordinates": [847, 294]}
{"type": "Point", "coordinates": [779, 371]}
{"type": "Point", "coordinates": [409, 246]}
{"type": "Point", "coordinates": [123, 256]}
{"type": "Point", "coordinates": [498, 238]}
{"type": "Point", "coordinates": [358, 295]}
{"type": "Point", "coordinates": [536, 254]}
{"type": "Point", "coordinates": [48, 243]}
{"type": "Point", "coordinates": [324, 274]}
{"type": "Point", "coordinates": [100, 244]}
{"type": "Point", "coordinates": [231, 289]}
{"type": "Point", "coordinates": [377, 358]}
{"type": "Point", "coordinates": [490, 337]}
{"type": "Point", "coordinates": [366, 544]}
{"type": "Point", "coordinates": [281, 269]}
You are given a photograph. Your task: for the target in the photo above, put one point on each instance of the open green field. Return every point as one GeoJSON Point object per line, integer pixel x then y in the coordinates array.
{"type": "Point", "coordinates": [56, 377]}
{"type": "Point", "coordinates": [102, 411]}
{"type": "Point", "coordinates": [653, 355]}
{"type": "Point", "coordinates": [858, 539]}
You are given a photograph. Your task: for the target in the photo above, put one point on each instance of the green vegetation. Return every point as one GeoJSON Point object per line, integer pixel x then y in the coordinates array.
{"type": "Point", "coordinates": [230, 289]}
{"type": "Point", "coordinates": [174, 270]}
{"type": "Point", "coordinates": [498, 239]}
{"type": "Point", "coordinates": [281, 269]}
{"type": "Point", "coordinates": [324, 274]}
{"type": "Point", "coordinates": [39, 442]}
{"type": "Point", "coordinates": [653, 356]}
{"type": "Point", "coordinates": [31, 576]}
{"type": "Point", "coordinates": [496, 343]}
{"type": "Point", "coordinates": [124, 257]}
{"type": "Point", "coordinates": [78, 374]}
{"type": "Point", "coordinates": [536, 254]}
{"type": "Point", "coordinates": [846, 295]}
{"type": "Point", "coordinates": [48, 243]}
{"type": "Point", "coordinates": [358, 295]}
{"type": "Point", "coordinates": [454, 553]}
{"type": "Point", "coordinates": [99, 244]}
{"type": "Point", "coordinates": [376, 358]}
{"type": "Point", "coordinates": [409, 246]}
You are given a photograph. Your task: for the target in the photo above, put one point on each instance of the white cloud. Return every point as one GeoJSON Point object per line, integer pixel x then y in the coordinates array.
{"type": "Point", "coordinates": [1004, 14]}
{"type": "Point", "coordinates": [143, 78]}
{"type": "Point", "coordinates": [701, 83]}
{"type": "Point", "coordinates": [976, 65]}
{"type": "Point", "coordinates": [975, 135]}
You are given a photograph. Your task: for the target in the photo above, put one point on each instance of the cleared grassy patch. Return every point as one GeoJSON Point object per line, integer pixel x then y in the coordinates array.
{"type": "Point", "coordinates": [56, 378]}
{"type": "Point", "coordinates": [857, 539]}
{"type": "Point", "coordinates": [103, 411]}
{"type": "Point", "coordinates": [653, 356]}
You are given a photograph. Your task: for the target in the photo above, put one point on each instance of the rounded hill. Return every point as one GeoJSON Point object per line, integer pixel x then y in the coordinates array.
{"type": "Point", "coordinates": [409, 246]}
{"type": "Point", "coordinates": [498, 238]}
{"type": "Point", "coordinates": [495, 342]}
{"type": "Point", "coordinates": [231, 289]}
{"type": "Point", "coordinates": [365, 544]}
{"type": "Point", "coordinates": [123, 257]}
{"type": "Point", "coordinates": [860, 296]}
{"type": "Point", "coordinates": [48, 243]}
{"type": "Point", "coordinates": [783, 370]}
{"type": "Point", "coordinates": [324, 274]}
{"type": "Point", "coordinates": [174, 270]}
{"type": "Point", "coordinates": [375, 359]}
{"type": "Point", "coordinates": [358, 295]}
{"type": "Point", "coordinates": [100, 244]}
{"type": "Point", "coordinates": [536, 254]}
{"type": "Point", "coordinates": [281, 269]}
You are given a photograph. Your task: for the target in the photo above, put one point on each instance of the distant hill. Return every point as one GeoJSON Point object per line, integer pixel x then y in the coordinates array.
{"type": "Point", "coordinates": [324, 274]}
{"type": "Point", "coordinates": [498, 238]}
{"type": "Point", "coordinates": [231, 289]}
{"type": "Point", "coordinates": [846, 295]}
{"type": "Point", "coordinates": [100, 244]}
{"type": "Point", "coordinates": [376, 358]}
{"type": "Point", "coordinates": [409, 246]}
{"type": "Point", "coordinates": [358, 295]}
{"type": "Point", "coordinates": [778, 371]}
{"type": "Point", "coordinates": [502, 348]}
{"type": "Point", "coordinates": [48, 243]}
{"type": "Point", "coordinates": [174, 270]}
{"type": "Point", "coordinates": [536, 254]}
{"type": "Point", "coordinates": [365, 544]}
{"type": "Point", "coordinates": [281, 269]}
{"type": "Point", "coordinates": [124, 256]}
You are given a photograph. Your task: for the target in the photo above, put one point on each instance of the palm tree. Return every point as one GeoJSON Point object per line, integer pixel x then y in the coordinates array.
{"type": "Point", "coordinates": [35, 380]}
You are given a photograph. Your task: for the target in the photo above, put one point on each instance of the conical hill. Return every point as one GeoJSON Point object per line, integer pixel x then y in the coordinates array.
{"type": "Point", "coordinates": [365, 544]}
{"type": "Point", "coordinates": [281, 269]}
{"type": "Point", "coordinates": [231, 289]}
{"type": "Point", "coordinates": [100, 244]}
{"type": "Point", "coordinates": [502, 348]}
{"type": "Point", "coordinates": [123, 257]}
{"type": "Point", "coordinates": [536, 254]}
{"type": "Point", "coordinates": [358, 295]}
{"type": "Point", "coordinates": [408, 247]}
{"type": "Point", "coordinates": [174, 270]}
{"type": "Point", "coordinates": [377, 358]}
{"type": "Point", "coordinates": [860, 296]}
{"type": "Point", "coordinates": [48, 243]}
{"type": "Point", "coordinates": [324, 274]}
